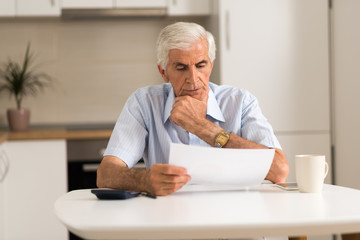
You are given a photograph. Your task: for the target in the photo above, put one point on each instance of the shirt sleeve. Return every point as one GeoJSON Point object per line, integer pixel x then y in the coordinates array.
{"type": "Point", "coordinates": [255, 127]}
{"type": "Point", "coordinates": [128, 139]}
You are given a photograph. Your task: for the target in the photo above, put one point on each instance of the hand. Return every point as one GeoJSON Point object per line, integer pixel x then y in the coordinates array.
{"type": "Point", "coordinates": [164, 179]}
{"type": "Point", "coordinates": [279, 169]}
{"type": "Point", "coordinates": [188, 113]}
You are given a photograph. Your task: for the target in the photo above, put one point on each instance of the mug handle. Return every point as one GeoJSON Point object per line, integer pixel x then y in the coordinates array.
{"type": "Point", "coordinates": [326, 169]}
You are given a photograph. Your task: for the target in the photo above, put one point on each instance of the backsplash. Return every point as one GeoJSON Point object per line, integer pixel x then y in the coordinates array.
{"type": "Point", "coordinates": [96, 65]}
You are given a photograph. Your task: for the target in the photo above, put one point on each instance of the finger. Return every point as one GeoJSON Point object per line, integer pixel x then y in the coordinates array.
{"type": "Point", "coordinates": [181, 98]}
{"type": "Point", "coordinates": [175, 179]}
{"type": "Point", "coordinates": [167, 189]}
{"type": "Point", "coordinates": [167, 169]}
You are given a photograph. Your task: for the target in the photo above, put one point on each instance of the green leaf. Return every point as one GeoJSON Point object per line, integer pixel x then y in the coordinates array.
{"type": "Point", "coordinates": [19, 80]}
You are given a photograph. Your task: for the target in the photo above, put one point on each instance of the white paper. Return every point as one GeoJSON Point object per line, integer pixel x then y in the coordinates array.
{"type": "Point", "coordinates": [222, 166]}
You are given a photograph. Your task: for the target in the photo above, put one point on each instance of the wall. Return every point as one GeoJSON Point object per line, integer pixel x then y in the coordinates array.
{"type": "Point", "coordinates": [96, 64]}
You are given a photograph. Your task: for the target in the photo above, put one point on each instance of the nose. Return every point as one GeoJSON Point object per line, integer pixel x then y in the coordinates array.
{"type": "Point", "coordinates": [192, 75]}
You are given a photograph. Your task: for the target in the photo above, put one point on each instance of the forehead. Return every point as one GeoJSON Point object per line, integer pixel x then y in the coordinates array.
{"type": "Point", "coordinates": [198, 52]}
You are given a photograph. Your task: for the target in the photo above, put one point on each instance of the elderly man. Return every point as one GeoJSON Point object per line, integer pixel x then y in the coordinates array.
{"type": "Point", "coordinates": [186, 109]}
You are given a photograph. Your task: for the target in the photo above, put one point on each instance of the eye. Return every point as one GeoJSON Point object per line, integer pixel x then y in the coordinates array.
{"type": "Point", "coordinates": [201, 64]}
{"type": "Point", "coordinates": [180, 67]}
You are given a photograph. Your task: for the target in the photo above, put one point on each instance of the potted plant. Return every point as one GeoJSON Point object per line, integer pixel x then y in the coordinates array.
{"type": "Point", "coordinates": [20, 80]}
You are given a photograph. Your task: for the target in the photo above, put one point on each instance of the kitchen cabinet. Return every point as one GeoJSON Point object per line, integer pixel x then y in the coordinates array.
{"type": "Point", "coordinates": [279, 51]}
{"type": "Point", "coordinates": [7, 8]}
{"type": "Point", "coordinates": [173, 7]}
{"type": "Point", "coordinates": [3, 171]}
{"type": "Point", "coordinates": [140, 3]}
{"type": "Point", "coordinates": [282, 58]}
{"type": "Point", "coordinates": [29, 8]}
{"type": "Point", "coordinates": [37, 8]}
{"type": "Point", "coordinates": [86, 4]}
{"type": "Point", "coordinates": [346, 74]}
{"type": "Point", "coordinates": [36, 178]}
{"type": "Point", "coordinates": [110, 4]}
{"type": "Point", "coordinates": [2, 222]}
{"type": "Point", "coordinates": [189, 7]}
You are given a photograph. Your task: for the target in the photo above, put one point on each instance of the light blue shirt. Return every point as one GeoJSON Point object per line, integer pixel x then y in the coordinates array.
{"type": "Point", "coordinates": [143, 128]}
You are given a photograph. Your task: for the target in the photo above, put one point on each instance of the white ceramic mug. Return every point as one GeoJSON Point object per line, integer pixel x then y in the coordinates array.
{"type": "Point", "coordinates": [310, 171]}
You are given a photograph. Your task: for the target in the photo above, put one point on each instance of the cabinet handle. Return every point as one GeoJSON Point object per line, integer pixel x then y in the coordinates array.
{"type": "Point", "coordinates": [227, 30]}
{"type": "Point", "coordinates": [52, 3]}
{"type": "Point", "coordinates": [4, 165]}
{"type": "Point", "coordinates": [91, 167]}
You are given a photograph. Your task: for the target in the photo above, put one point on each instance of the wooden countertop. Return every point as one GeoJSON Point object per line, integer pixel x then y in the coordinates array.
{"type": "Point", "coordinates": [3, 137]}
{"type": "Point", "coordinates": [56, 134]}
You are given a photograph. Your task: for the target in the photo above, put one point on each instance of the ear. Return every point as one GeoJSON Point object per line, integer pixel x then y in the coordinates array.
{"type": "Point", "coordinates": [163, 73]}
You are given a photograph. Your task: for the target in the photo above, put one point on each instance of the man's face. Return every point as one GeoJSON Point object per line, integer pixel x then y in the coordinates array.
{"type": "Point", "coordinates": [189, 71]}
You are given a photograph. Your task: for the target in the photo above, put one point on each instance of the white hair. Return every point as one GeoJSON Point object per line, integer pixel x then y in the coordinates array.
{"type": "Point", "coordinates": [182, 35]}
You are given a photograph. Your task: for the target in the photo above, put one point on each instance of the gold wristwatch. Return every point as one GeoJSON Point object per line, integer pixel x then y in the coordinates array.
{"type": "Point", "coordinates": [222, 138]}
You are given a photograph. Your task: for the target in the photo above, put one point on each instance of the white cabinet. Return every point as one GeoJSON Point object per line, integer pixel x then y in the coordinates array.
{"type": "Point", "coordinates": [29, 8]}
{"type": "Point", "coordinates": [173, 7]}
{"type": "Point", "coordinates": [278, 50]}
{"type": "Point", "coordinates": [4, 166]}
{"type": "Point", "coordinates": [140, 3]}
{"type": "Point", "coordinates": [36, 178]}
{"type": "Point", "coordinates": [346, 75]}
{"type": "Point", "coordinates": [37, 8]}
{"type": "Point", "coordinates": [110, 4]}
{"type": "Point", "coordinates": [2, 221]}
{"type": "Point", "coordinates": [7, 8]}
{"type": "Point", "coordinates": [189, 7]}
{"type": "Point", "coordinates": [86, 4]}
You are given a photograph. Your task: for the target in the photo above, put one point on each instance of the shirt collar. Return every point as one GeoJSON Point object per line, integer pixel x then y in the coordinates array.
{"type": "Point", "coordinates": [212, 110]}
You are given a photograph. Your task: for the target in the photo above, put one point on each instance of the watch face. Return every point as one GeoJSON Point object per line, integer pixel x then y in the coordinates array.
{"type": "Point", "coordinates": [222, 138]}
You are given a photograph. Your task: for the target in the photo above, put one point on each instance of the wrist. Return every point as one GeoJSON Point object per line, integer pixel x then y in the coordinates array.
{"type": "Point", "coordinates": [145, 181]}
{"type": "Point", "coordinates": [208, 131]}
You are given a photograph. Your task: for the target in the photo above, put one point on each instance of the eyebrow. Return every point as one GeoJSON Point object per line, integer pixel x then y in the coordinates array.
{"type": "Point", "coordinates": [201, 62]}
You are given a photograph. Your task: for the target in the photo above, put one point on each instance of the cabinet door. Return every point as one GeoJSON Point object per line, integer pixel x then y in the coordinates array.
{"type": "Point", "coordinates": [86, 4]}
{"type": "Point", "coordinates": [37, 7]}
{"type": "Point", "coordinates": [294, 144]}
{"type": "Point", "coordinates": [3, 170]}
{"type": "Point", "coordinates": [140, 3]}
{"type": "Point", "coordinates": [346, 75]}
{"type": "Point", "coordinates": [188, 7]}
{"type": "Point", "coordinates": [7, 8]}
{"type": "Point", "coordinates": [36, 178]}
{"type": "Point", "coordinates": [278, 50]}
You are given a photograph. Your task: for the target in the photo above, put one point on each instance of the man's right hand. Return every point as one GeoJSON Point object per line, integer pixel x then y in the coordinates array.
{"type": "Point", "coordinates": [164, 179]}
{"type": "Point", "coordinates": [160, 180]}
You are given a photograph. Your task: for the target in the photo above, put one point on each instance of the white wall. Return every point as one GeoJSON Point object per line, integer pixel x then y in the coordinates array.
{"type": "Point", "coordinates": [97, 64]}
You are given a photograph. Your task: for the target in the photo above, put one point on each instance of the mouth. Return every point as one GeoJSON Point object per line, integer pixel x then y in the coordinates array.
{"type": "Point", "coordinates": [191, 91]}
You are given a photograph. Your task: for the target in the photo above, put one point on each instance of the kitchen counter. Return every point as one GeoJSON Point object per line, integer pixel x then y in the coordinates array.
{"type": "Point", "coordinates": [3, 137]}
{"type": "Point", "coordinates": [56, 133]}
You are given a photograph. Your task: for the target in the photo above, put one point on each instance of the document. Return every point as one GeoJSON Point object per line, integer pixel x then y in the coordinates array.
{"type": "Point", "coordinates": [222, 166]}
